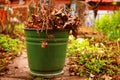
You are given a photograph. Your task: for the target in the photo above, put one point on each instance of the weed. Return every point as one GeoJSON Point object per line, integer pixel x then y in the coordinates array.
{"type": "Point", "coordinates": [95, 58]}
{"type": "Point", "coordinates": [9, 45]}
{"type": "Point", "coordinates": [109, 25]}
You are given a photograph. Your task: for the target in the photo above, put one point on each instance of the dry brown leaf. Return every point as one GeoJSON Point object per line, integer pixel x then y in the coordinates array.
{"type": "Point", "coordinates": [44, 44]}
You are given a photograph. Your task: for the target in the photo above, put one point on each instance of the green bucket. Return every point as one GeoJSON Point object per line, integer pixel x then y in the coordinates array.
{"type": "Point", "coordinates": [48, 61]}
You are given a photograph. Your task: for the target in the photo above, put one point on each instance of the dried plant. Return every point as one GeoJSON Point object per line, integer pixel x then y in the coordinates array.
{"type": "Point", "coordinates": [51, 18]}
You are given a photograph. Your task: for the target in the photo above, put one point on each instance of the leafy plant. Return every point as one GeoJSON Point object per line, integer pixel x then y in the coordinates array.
{"type": "Point", "coordinates": [103, 24]}
{"type": "Point", "coordinates": [9, 48]}
{"type": "Point", "coordinates": [109, 25]}
{"type": "Point", "coordinates": [19, 31]}
{"type": "Point", "coordinates": [88, 56]}
{"type": "Point", "coordinates": [76, 46]}
{"type": "Point", "coordinates": [9, 45]}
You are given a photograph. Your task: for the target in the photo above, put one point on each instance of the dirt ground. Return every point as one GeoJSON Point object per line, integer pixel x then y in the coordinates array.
{"type": "Point", "coordinates": [18, 70]}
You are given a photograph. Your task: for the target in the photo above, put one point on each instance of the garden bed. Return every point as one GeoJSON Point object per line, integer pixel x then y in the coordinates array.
{"type": "Point", "coordinates": [98, 58]}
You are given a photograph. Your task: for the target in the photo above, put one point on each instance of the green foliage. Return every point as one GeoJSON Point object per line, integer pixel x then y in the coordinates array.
{"type": "Point", "coordinates": [91, 57]}
{"type": "Point", "coordinates": [109, 25]}
{"type": "Point", "coordinates": [78, 45]}
{"type": "Point", "coordinates": [9, 48]}
{"type": "Point", "coordinates": [19, 30]}
{"type": "Point", "coordinates": [102, 24]}
{"type": "Point", "coordinates": [9, 45]}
